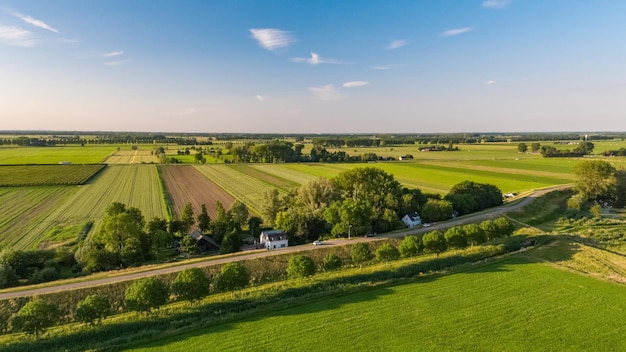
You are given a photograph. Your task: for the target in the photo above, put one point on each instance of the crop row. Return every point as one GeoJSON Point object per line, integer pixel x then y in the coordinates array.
{"type": "Point", "coordinates": [135, 185]}
{"type": "Point", "coordinates": [46, 175]}
{"type": "Point", "coordinates": [245, 188]}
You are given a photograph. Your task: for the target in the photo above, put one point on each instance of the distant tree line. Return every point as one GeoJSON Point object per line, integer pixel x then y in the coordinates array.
{"type": "Point", "coordinates": [583, 148]}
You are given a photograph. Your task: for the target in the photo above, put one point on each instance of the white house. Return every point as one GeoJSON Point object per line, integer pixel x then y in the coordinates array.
{"type": "Point", "coordinates": [273, 239]}
{"type": "Point", "coordinates": [412, 220]}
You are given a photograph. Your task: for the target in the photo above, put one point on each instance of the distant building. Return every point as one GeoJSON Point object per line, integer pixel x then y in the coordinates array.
{"type": "Point", "coordinates": [65, 162]}
{"type": "Point", "coordinates": [273, 239]}
{"type": "Point", "coordinates": [412, 220]}
{"type": "Point", "coordinates": [205, 243]}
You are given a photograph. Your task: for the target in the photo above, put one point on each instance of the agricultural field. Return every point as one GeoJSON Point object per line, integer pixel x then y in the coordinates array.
{"type": "Point", "coordinates": [55, 155]}
{"type": "Point", "coordinates": [23, 208]}
{"type": "Point", "coordinates": [134, 185]}
{"type": "Point", "coordinates": [185, 184]}
{"type": "Point", "coordinates": [46, 175]}
{"type": "Point", "coordinates": [512, 304]}
{"type": "Point", "coordinates": [145, 156]}
{"type": "Point", "coordinates": [245, 188]}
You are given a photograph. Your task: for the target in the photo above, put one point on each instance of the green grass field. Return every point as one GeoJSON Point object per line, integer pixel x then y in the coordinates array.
{"type": "Point", "coordinates": [55, 155]}
{"type": "Point", "coordinates": [46, 175]}
{"type": "Point", "coordinates": [512, 305]}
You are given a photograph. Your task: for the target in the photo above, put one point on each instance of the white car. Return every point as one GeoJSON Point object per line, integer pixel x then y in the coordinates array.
{"type": "Point", "coordinates": [317, 243]}
{"type": "Point", "coordinates": [426, 225]}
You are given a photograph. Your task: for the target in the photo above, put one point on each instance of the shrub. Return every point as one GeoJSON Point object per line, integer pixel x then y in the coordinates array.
{"type": "Point", "coordinates": [35, 317]}
{"type": "Point", "coordinates": [93, 309]}
{"type": "Point", "coordinates": [387, 252]}
{"type": "Point", "coordinates": [191, 285]}
{"type": "Point", "coordinates": [360, 253]}
{"type": "Point", "coordinates": [146, 294]}
{"type": "Point", "coordinates": [300, 266]}
{"type": "Point", "coordinates": [410, 246]}
{"type": "Point", "coordinates": [331, 262]}
{"type": "Point", "coordinates": [233, 276]}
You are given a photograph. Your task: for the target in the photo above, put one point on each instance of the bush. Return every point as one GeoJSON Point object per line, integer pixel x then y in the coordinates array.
{"type": "Point", "coordinates": [44, 275]}
{"type": "Point", "coordinates": [146, 294]}
{"type": "Point", "coordinates": [300, 266]}
{"type": "Point", "coordinates": [410, 246]}
{"type": "Point", "coordinates": [387, 252]}
{"type": "Point", "coordinates": [331, 262]}
{"type": "Point", "coordinates": [233, 276]}
{"type": "Point", "coordinates": [35, 317]}
{"type": "Point", "coordinates": [360, 253]}
{"type": "Point", "coordinates": [93, 309]}
{"type": "Point", "coordinates": [191, 285]}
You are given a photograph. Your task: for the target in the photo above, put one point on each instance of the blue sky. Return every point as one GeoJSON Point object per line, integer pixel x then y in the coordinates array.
{"type": "Point", "coordinates": [352, 66]}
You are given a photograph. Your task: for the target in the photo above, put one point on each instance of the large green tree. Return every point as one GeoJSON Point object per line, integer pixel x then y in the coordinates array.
{"type": "Point", "coordinates": [468, 197]}
{"type": "Point", "coordinates": [455, 237]}
{"type": "Point", "coordinates": [436, 210]}
{"type": "Point", "coordinates": [596, 181]}
{"type": "Point", "coordinates": [360, 253]}
{"type": "Point", "coordinates": [410, 246]}
{"type": "Point", "coordinates": [387, 252]}
{"type": "Point", "coordinates": [204, 220]}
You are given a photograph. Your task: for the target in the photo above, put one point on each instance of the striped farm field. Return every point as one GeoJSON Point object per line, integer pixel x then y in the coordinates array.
{"type": "Point", "coordinates": [132, 157]}
{"type": "Point", "coordinates": [46, 175]}
{"type": "Point", "coordinates": [185, 184]}
{"type": "Point", "coordinates": [55, 155]}
{"type": "Point", "coordinates": [273, 179]}
{"type": "Point", "coordinates": [243, 187]}
{"type": "Point", "coordinates": [24, 208]}
{"type": "Point", "coordinates": [134, 185]}
{"type": "Point", "coordinates": [286, 172]}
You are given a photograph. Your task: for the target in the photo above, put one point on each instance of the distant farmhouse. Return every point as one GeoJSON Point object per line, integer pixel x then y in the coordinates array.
{"type": "Point", "coordinates": [273, 239]}
{"type": "Point", "coordinates": [412, 220]}
{"type": "Point", "coordinates": [205, 243]}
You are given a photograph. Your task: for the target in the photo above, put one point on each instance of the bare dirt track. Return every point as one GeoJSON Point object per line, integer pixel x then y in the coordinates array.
{"type": "Point", "coordinates": [185, 184]}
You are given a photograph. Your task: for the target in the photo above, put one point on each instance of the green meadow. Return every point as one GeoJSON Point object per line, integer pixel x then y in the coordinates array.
{"type": "Point", "coordinates": [514, 304]}
{"type": "Point", "coordinates": [55, 155]}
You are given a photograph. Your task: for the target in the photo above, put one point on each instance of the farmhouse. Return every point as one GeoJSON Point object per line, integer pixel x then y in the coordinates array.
{"type": "Point", "coordinates": [412, 220]}
{"type": "Point", "coordinates": [205, 243]}
{"type": "Point", "coordinates": [273, 239]}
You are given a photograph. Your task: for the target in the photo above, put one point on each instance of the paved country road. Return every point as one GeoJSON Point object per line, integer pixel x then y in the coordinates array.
{"type": "Point", "coordinates": [443, 225]}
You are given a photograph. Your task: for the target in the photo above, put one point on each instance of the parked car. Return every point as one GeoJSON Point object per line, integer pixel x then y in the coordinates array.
{"type": "Point", "coordinates": [426, 225]}
{"type": "Point", "coordinates": [317, 243]}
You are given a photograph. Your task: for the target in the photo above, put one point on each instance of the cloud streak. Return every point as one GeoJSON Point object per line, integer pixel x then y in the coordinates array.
{"type": "Point", "coordinates": [326, 93]}
{"type": "Point", "coordinates": [456, 31]}
{"type": "Point", "coordinates": [35, 22]}
{"type": "Point", "coordinates": [353, 84]}
{"type": "Point", "coordinates": [272, 39]}
{"type": "Point", "coordinates": [496, 4]}
{"type": "Point", "coordinates": [315, 59]}
{"type": "Point", "coordinates": [16, 36]}
{"type": "Point", "coordinates": [113, 54]}
{"type": "Point", "coordinates": [117, 63]}
{"type": "Point", "coordinates": [260, 98]}
{"type": "Point", "coordinates": [490, 82]}
{"type": "Point", "coordinates": [396, 44]}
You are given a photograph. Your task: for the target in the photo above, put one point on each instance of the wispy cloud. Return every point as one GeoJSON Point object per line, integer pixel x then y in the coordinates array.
{"type": "Point", "coordinates": [496, 4]}
{"type": "Point", "coordinates": [34, 22]}
{"type": "Point", "coordinates": [113, 54]}
{"type": "Point", "coordinates": [490, 82]}
{"type": "Point", "coordinates": [384, 67]}
{"type": "Point", "coordinates": [117, 63]}
{"type": "Point", "coordinates": [260, 98]}
{"type": "Point", "coordinates": [327, 92]}
{"type": "Point", "coordinates": [272, 39]}
{"type": "Point", "coordinates": [456, 31]}
{"type": "Point", "coordinates": [353, 84]}
{"type": "Point", "coordinates": [16, 36]}
{"type": "Point", "coordinates": [315, 59]}
{"type": "Point", "coordinates": [395, 44]}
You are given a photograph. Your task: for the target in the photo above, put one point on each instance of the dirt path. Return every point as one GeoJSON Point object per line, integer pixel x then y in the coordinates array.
{"type": "Point", "coordinates": [440, 226]}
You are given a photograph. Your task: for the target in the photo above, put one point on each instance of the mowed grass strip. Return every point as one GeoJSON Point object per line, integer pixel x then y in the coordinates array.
{"type": "Point", "coordinates": [185, 184]}
{"type": "Point", "coordinates": [46, 175]}
{"type": "Point", "coordinates": [271, 178]}
{"type": "Point", "coordinates": [55, 155]}
{"type": "Point", "coordinates": [510, 305]}
{"type": "Point", "coordinates": [285, 172]}
{"type": "Point", "coordinates": [245, 188]}
{"type": "Point", "coordinates": [23, 209]}
{"type": "Point", "coordinates": [134, 185]}
{"type": "Point", "coordinates": [132, 157]}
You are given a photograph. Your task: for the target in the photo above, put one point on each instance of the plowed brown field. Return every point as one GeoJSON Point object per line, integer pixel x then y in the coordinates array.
{"type": "Point", "coordinates": [185, 184]}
